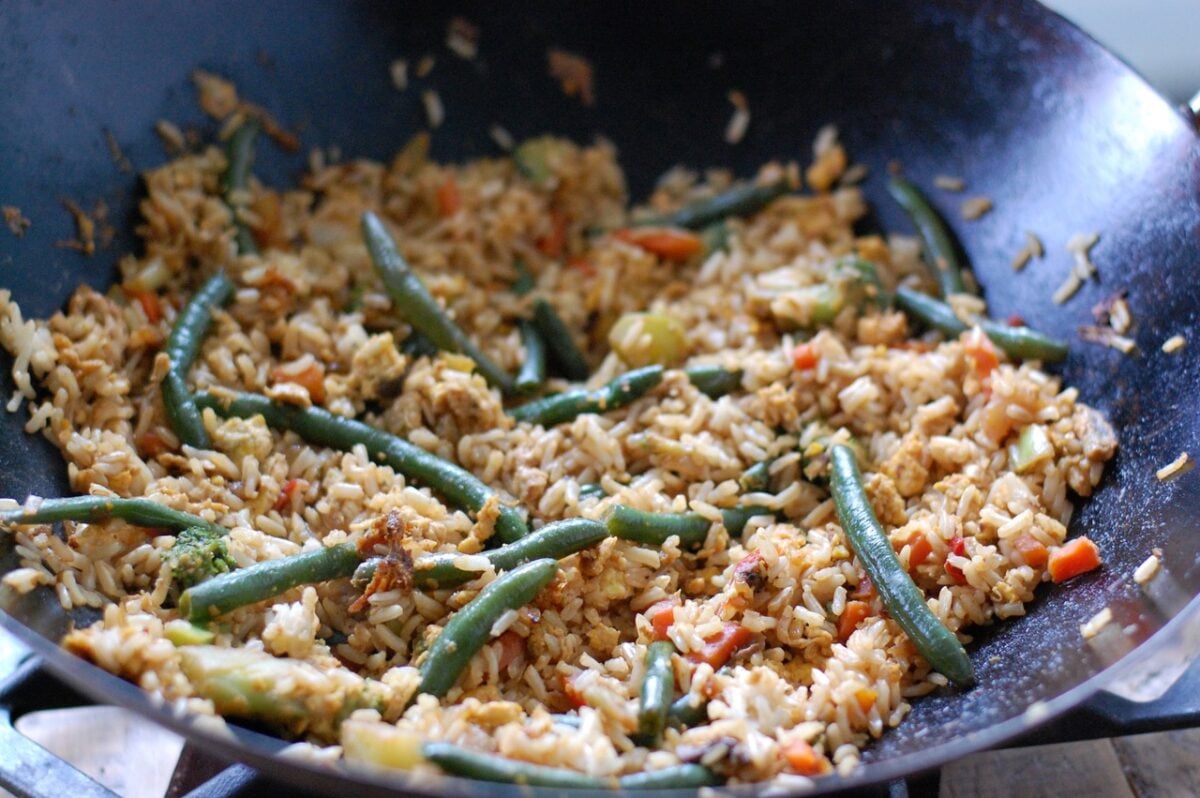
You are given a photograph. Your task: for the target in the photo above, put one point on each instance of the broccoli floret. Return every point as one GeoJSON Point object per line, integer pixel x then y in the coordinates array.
{"type": "Point", "coordinates": [198, 554]}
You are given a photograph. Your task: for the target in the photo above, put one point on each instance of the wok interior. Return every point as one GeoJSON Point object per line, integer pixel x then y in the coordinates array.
{"type": "Point", "coordinates": [1062, 136]}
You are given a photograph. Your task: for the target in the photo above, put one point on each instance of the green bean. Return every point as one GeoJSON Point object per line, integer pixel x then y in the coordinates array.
{"type": "Point", "coordinates": [524, 282]}
{"type": "Point", "coordinates": [557, 540]}
{"type": "Point", "coordinates": [417, 306]}
{"type": "Point", "coordinates": [654, 529]}
{"type": "Point", "coordinates": [1019, 342]}
{"type": "Point", "coordinates": [318, 426]}
{"type": "Point", "coordinates": [742, 200]}
{"type": "Point", "coordinates": [239, 152]}
{"type": "Point", "coordinates": [489, 767]}
{"type": "Point", "coordinates": [592, 490]}
{"type": "Point", "coordinates": [92, 509]}
{"type": "Point", "coordinates": [182, 347]}
{"type": "Point", "coordinates": [265, 579]}
{"type": "Point", "coordinates": [658, 686]}
{"type": "Point", "coordinates": [684, 714]}
{"type": "Point", "coordinates": [568, 360]}
{"type": "Point", "coordinates": [756, 477]}
{"type": "Point", "coordinates": [417, 345]}
{"type": "Point", "coordinates": [714, 381]}
{"type": "Point", "coordinates": [621, 391]}
{"type": "Point", "coordinates": [715, 237]}
{"type": "Point", "coordinates": [904, 601]}
{"type": "Point", "coordinates": [736, 518]}
{"type": "Point", "coordinates": [940, 255]}
{"type": "Point", "coordinates": [533, 370]}
{"type": "Point", "coordinates": [471, 626]}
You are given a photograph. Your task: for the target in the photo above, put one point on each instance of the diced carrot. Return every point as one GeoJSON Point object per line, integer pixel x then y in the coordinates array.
{"type": "Point", "coordinates": [804, 357]}
{"type": "Point", "coordinates": [855, 613]}
{"type": "Point", "coordinates": [1032, 550]}
{"type": "Point", "coordinates": [865, 589]}
{"type": "Point", "coordinates": [572, 692]}
{"type": "Point", "coordinates": [981, 352]}
{"type": "Point", "coordinates": [719, 648]}
{"type": "Point", "coordinates": [285, 494]}
{"type": "Point", "coordinates": [311, 378]}
{"type": "Point", "coordinates": [1073, 558]}
{"type": "Point", "coordinates": [512, 645]}
{"type": "Point", "coordinates": [580, 263]}
{"type": "Point", "coordinates": [958, 546]}
{"type": "Point", "coordinates": [667, 243]}
{"type": "Point", "coordinates": [803, 759]}
{"type": "Point", "coordinates": [448, 199]}
{"type": "Point", "coordinates": [661, 616]}
{"type": "Point", "coordinates": [150, 303]}
{"type": "Point", "coordinates": [150, 443]}
{"type": "Point", "coordinates": [552, 244]}
{"type": "Point", "coordinates": [919, 549]}
{"type": "Point", "coordinates": [865, 698]}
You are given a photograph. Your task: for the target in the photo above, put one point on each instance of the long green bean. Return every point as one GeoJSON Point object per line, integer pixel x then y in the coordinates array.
{"type": "Point", "coordinates": [568, 360]}
{"type": "Point", "coordinates": [557, 540]}
{"type": "Point", "coordinates": [533, 370]}
{"type": "Point", "coordinates": [245, 586]}
{"type": "Point", "coordinates": [714, 381]}
{"type": "Point", "coordinates": [905, 602]}
{"type": "Point", "coordinates": [940, 255]}
{"type": "Point", "coordinates": [92, 509]}
{"type": "Point", "coordinates": [489, 767]}
{"type": "Point", "coordinates": [182, 347]}
{"type": "Point", "coordinates": [621, 391]}
{"type": "Point", "coordinates": [318, 426]}
{"type": "Point", "coordinates": [239, 152]}
{"type": "Point", "coordinates": [756, 477]}
{"type": "Point", "coordinates": [654, 529]}
{"type": "Point", "coordinates": [684, 714]}
{"type": "Point", "coordinates": [471, 626]}
{"type": "Point", "coordinates": [417, 306]}
{"type": "Point", "coordinates": [1021, 342]}
{"type": "Point", "coordinates": [658, 686]}
{"type": "Point", "coordinates": [740, 200]}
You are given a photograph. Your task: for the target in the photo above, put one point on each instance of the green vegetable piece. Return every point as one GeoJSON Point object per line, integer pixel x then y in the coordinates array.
{"type": "Point", "coordinates": [678, 777]}
{"type": "Point", "coordinates": [322, 428]}
{"type": "Point", "coordinates": [533, 158]}
{"type": "Point", "coordinates": [1021, 342]}
{"type": "Point", "coordinates": [714, 381]}
{"type": "Point", "coordinates": [556, 540]}
{"type": "Point", "coordinates": [757, 477]}
{"type": "Point", "coordinates": [565, 356]}
{"type": "Point", "coordinates": [592, 490]}
{"type": "Point", "coordinates": [533, 370]}
{"type": "Point", "coordinates": [742, 200]}
{"type": "Point", "coordinates": [471, 626]}
{"type": "Point", "coordinates": [242, 683]}
{"type": "Point", "coordinates": [660, 339]}
{"type": "Point", "coordinates": [684, 714]}
{"type": "Point", "coordinates": [903, 599]}
{"type": "Point", "coordinates": [418, 307]}
{"type": "Point", "coordinates": [715, 237]}
{"type": "Point", "coordinates": [239, 152]}
{"type": "Point", "coordinates": [653, 529]}
{"type": "Point", "coordinates": [736, 518]}
{"type": "Point", "coordinates": [184, 633]}
{"type": "Point", "coordinates": [93, 509]}
{"type": "Point", "coordinates": [658, 687]}
{"type": "Point", "coordinates": [199, 553]}
{"type": "Point", "coordinates": [618, 393]}
{"type": "Point", "coordinates": [265, 579]}
{"type": "Point", "coordinates": [940, 255]}
{"type": "Point", "coordinates": [182, 347]}
{"type": "Point", "coordinates": [1032, 447]}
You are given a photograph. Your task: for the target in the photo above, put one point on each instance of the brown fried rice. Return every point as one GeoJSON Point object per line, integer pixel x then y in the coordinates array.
{"type": "Point", "coordinates": [935, 430]}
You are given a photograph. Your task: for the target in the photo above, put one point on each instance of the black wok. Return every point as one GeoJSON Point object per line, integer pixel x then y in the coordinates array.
{"type": "Point", "coordinates": [1033, 113]}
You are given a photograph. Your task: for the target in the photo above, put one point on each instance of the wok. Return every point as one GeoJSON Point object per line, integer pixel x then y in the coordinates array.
{"type": "Point", "coordinates": [1029, 110]}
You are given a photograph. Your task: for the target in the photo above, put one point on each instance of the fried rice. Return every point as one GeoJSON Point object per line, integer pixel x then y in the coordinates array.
{"type": "Point", "coordinates": [935, 426]}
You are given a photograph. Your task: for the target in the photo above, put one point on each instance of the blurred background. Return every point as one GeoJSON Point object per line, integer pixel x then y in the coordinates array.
{"type": "Point", "coordinates": [1159, 38]}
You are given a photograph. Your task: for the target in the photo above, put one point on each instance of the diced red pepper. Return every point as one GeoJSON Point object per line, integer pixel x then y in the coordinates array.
{"type": "Point", "coordinates": [1015, 320]}
{"type": "Point", "coordinates": [580, 263]}
{"type": "Point", "coordinates": [855, 613]}
{"type": "Point", "coordinates": [553, 243]}
{"type": "Point", "coordinates": [981, 353]}
{"type": "Point", "coordinates": [958, 546]}
{"type": "Point", "coordinates": [661, 616]}
{"type": "Point", "coordinates": [667, 243]}
{"type": "Point", "coordinates": [285, 494]}
{"type": "Point", "coordinates": [572, 693]}
{"type": "Point", "coordinates": [864, 590]}
{"type": "Point", "coordinates": [150, 303]}
{"type": "Point", "coordinates": [719, 648]}
{"type": "Point", "coordinates": [919, 549]}
{"type": "Point", "coordinates": [448, 199]}
{"type": "Point", "coordinates": [804, 357]}
{"type": "Point", "coordinates": [1073, 558]}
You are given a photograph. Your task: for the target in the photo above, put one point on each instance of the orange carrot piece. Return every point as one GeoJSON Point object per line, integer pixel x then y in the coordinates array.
{"type": "Point", "coordinates": [511, 646]}
{"type": "Point", "coordinates": [804, 357]}
{"type": "Point", "coordinates": [719, 648]}
{"type": "Point", "coordinates": [1034, 552]}
{"type": "Point", "coordinates": [803, 759]}
{"type": "Point", "coordinates": [661, 616]}
{"type": "Point", "coordinates": [855, 613]}
{"type": "Point", "coordinates": [665, 242]}
{"type": "Point", "coordinates": [981, 352]}
{"type": "Point", "coordinates": [553, 243]}
{"type": "Point", "coordinates": [1073, 558]}
{"type": "Point", "coordinates": [919, 549]}
{"type": "Point", "coordinates": [448, 199]}
{"type": "Point", "coordinates": [285, 495]}
{"type": "Point", "coordinates": [150, 303]}
{"type": "Point", "coordinates": [312, 379]}
{"type": "Point", "coordinates": [865, 698]}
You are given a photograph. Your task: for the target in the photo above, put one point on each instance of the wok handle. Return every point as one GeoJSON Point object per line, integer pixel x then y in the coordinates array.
{"type": "Point", "coordinates": [28, 770]}
{"type": "Point", "coordinates": [1177, 708]}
